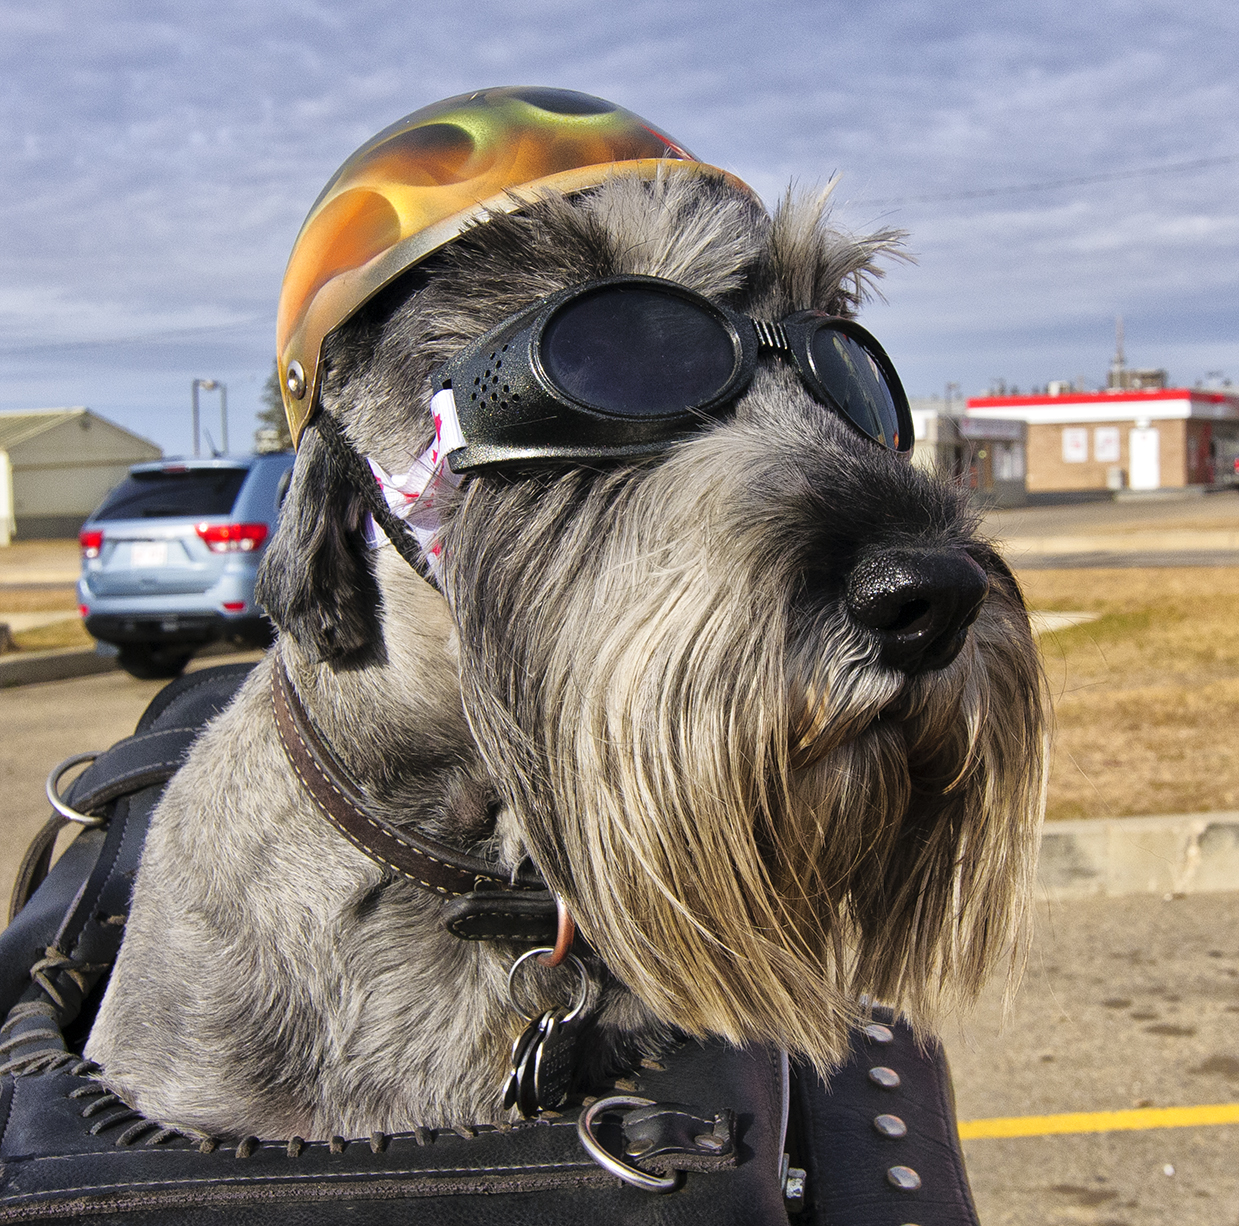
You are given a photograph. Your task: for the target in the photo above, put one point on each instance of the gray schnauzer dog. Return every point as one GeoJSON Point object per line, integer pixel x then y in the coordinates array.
{"type": "Point", "coordinates": [746, 690]}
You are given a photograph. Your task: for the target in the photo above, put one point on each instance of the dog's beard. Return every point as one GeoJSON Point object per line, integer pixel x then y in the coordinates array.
{"type": "Point", "coordinates": [752, 821]}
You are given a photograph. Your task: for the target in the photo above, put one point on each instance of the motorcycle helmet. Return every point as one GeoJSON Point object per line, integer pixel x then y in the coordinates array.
{"type": "Point", "coordinates": [414, 187]}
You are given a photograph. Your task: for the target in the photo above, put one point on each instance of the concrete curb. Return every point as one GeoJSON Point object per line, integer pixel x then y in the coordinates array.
{"type": "Point", "coordinates": [1167, 541]}
{"type": "Point", "coordinates": [1191, 853]}
{"type": "Point", "coordinates": [32, 666]}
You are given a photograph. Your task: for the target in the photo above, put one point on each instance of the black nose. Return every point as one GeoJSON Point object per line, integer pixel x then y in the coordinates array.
{"type": "Point", "coordinates": [919, 603]}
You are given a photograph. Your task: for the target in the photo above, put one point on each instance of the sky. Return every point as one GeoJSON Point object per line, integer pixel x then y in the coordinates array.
{"type": "Point", "coordinates": [1055, 165]}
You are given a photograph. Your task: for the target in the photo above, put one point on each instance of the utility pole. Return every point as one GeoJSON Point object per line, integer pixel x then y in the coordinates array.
{"type": "Point", "coordinates": [193, 397]}
{"type": "Point", "coordinates": [211, 385]}
{"type": "Point", "coordinates": [1118, 367]}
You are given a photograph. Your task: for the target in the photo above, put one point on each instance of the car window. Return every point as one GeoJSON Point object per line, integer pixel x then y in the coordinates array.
{"type": "Point", "coordinates": [162, 495]}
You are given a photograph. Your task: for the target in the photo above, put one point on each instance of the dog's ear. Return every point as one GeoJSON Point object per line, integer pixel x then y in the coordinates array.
{"type": "Point", "coordinates": [316, 581]}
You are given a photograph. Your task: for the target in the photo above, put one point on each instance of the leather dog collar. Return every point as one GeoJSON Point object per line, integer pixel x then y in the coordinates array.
{"type": "Point", "coordinates": [488, 903]}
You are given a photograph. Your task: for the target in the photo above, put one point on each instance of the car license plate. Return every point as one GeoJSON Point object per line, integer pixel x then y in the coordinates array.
{"type": "Point", "coordinates": [148, 553]}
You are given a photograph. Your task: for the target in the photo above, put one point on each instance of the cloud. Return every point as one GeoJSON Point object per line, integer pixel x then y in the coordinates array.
{"type": "Point", "coordinates": [158, 158]}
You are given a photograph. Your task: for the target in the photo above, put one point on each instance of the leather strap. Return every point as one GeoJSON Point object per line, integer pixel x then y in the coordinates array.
{"type": "Point", "coordinates": [427, 862]}
{"type": "Point", "coordinates": [363, 481]}
{"type": "Point", "coordinates": [672, 1137]}
{"type": "Point", "coordinates": [527, 917]}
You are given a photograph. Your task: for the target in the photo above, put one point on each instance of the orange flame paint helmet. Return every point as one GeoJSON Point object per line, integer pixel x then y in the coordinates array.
{"type": "Point", "coordinates": [418, 184]}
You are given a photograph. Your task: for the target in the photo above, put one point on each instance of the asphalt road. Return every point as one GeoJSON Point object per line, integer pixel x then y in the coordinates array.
{"type": "Point", "coordinates": [1168, 510]}
{"type": "Point", "coordinates": [1170, 529]}
{"type": "Point", "coordinates": [1125, 1002]}
{"type": "Point", "coordinates": [41, 725]}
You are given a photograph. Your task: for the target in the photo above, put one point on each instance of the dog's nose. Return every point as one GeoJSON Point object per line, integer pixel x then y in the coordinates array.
{"type": "Point", "coordinates": [919, 603]}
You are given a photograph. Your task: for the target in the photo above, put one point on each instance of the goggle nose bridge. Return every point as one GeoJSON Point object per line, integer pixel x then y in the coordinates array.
{"type": "Point", "coordinates": [771, 337]}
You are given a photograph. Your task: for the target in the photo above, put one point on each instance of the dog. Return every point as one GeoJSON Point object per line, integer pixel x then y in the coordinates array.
{"type": "Point", "coordinates": [758, 703]}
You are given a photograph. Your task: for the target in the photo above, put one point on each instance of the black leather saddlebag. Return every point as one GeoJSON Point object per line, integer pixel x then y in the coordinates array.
{"type": "Point", "coordinates": [753, 1140]}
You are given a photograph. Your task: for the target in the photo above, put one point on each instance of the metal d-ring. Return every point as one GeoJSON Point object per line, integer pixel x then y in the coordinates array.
{"type": "Point", "coordinates": [53, 790]}
{"type": "Point", "coordinates": [565, 932]}
{"type": "Point", "coordinates": [608, 1162]}
{"type": "Point", "coordinates": [582, 977]}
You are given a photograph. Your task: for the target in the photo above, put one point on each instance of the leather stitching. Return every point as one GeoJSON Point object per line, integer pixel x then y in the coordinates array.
{"type": "Point", "coordinates": [348, 834]}
{"type": "Point", "coordinates": [340, 1177]}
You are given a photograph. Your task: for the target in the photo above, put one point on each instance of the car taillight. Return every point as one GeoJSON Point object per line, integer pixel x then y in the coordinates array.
{"type": "Point", "coordinates": [91, 541]}
{"type": "Point", "coordinates": [83, 610]}
{"type": "Point", "coordinates": [233, 538]}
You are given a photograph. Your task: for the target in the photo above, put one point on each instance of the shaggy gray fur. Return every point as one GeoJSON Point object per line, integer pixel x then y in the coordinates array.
{"type": "Point", "coordinates": [644, 676]}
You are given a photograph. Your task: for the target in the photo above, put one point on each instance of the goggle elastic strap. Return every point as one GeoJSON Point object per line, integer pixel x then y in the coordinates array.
{"type": "Point", "coordinates": [383, 497]}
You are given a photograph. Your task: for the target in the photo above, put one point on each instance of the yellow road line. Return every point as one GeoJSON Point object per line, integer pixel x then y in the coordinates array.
{"type": "Point", "coordinates": [1100, 1121]}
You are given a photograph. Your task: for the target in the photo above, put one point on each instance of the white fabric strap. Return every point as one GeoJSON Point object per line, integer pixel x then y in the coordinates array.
{"type": "Point", "coordinates": [411, 495]}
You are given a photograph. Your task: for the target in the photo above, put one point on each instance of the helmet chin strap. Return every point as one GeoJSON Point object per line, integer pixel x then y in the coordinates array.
{"type": "Point", "coordinates": [402, 504]}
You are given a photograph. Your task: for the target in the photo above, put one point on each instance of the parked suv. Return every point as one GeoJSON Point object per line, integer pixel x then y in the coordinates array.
{"type": "Point", "coordinates": [169, 558]}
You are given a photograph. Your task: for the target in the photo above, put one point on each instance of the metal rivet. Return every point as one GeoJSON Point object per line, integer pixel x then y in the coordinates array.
{"type": "Point", "coordinates": [904, 1178]}
{"type": "Point", "coordinates": [885, 1077]}
{"type": "Point", "coordinates": [295, 380]}
{"type": "Point", "coordinates": [642, 1145]}
{"type": "Point", "coordinates": [793, 1185]}
{"type": "Point", "coordinates": [708, 1141]}
{"type": "Point", "coordinates": [890, 1126]}
{"type": "Point", "coordinates": [875, 1032]}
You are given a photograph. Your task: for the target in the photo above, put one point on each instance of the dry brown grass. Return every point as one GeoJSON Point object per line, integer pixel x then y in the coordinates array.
{"type": "Point", "coordinates": [36, 599]}
{"type": "Point", "coordinates": [1146, 697]}
{"type": "Point", "coordinates": [69, 633]}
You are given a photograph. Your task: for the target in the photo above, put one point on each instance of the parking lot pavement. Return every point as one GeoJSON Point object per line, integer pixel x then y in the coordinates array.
{"type": "Point", "coordinates": [41, 725]}
{"type": "Point", "coordinates": [1126, 1002]}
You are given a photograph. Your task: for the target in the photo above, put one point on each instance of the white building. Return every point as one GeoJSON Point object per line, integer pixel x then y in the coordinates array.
{"type": "Point", "coordinates": [986, 455]}
{"type": "Point", "coordinates": [1141, 438]}
{"type": "Point", "coordinates": [59, 463]}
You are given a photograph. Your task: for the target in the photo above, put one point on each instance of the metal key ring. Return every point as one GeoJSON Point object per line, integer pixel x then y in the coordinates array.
{"type": "Point", "coordinates": [53, 791]}
{"type": "Point", "coordinates": [583, 985]}
{"type": "Point", "coordinates": [608, 1162]}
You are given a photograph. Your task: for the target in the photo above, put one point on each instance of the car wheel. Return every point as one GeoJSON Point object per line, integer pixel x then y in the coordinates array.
{"type": "Point", "coordinates": [150, 663]}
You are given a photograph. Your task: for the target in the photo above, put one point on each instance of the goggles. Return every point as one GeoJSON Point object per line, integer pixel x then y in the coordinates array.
{"type": "Point", "coordinates": [621, 367]}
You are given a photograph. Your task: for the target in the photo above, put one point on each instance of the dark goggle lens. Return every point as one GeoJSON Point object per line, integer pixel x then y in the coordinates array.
{"type": "Point", "coordinates": [637, 352]}
{"type": "Point", "coordinates": [856, 383]}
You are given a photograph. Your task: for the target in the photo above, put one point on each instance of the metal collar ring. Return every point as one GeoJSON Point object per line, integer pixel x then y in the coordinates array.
{"type": "Point", "coordinates": [564, 935]}
{"type": "Point", "coordinates": [582, 984]}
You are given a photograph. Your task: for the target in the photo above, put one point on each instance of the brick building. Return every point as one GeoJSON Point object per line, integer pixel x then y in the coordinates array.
{"type": "Point", "coordinates": [1139, 438]}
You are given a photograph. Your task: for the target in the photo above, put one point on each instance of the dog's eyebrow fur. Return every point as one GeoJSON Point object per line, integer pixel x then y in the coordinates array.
{"type": "Point", "coordinates": [818, 267]}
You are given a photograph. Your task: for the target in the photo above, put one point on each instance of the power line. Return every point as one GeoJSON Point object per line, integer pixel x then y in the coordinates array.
{"type": "Point", "coordinates": [147, 338]}
{"type": "Point", "coordinates": [1051, 184]}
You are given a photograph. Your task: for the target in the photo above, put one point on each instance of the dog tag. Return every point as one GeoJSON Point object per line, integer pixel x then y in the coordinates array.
{"type": "Point", "coordinates": [554, 1061]}
{"type": "Point", "coordinates": [526, 1094]}
{"type": "Point", "coordinates": [544, 1054]}
{"type": "Point", "coordinates": [520, 1050]}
